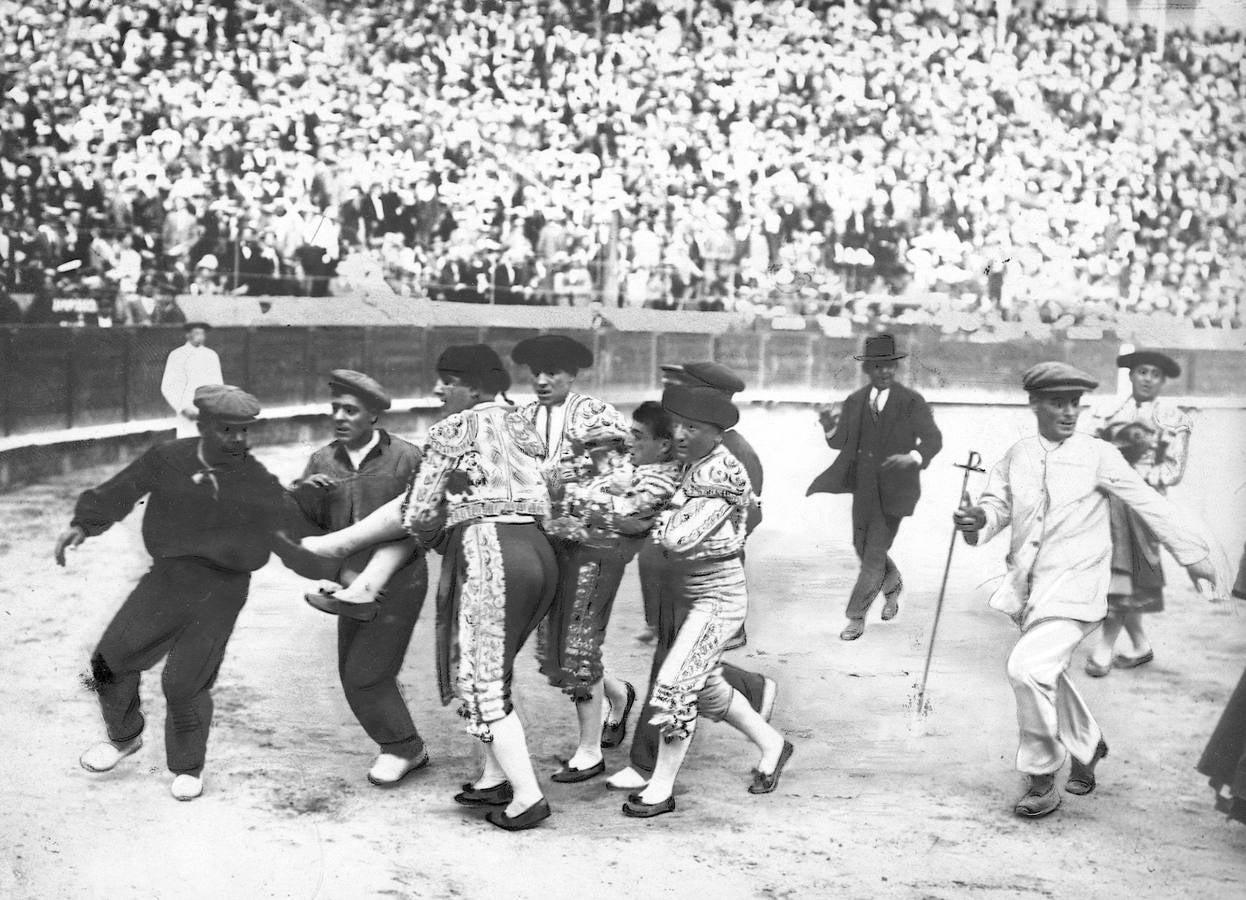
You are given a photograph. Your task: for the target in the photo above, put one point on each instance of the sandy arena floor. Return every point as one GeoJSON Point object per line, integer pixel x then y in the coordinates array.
{"type": "Point", "coordinates": [874, 804]}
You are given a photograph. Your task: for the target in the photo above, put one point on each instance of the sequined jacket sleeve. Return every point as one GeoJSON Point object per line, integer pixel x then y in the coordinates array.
{"type": "Point", "coordinates": [423, 513]}
{"type": "Point", "coordinates": [709, 509]}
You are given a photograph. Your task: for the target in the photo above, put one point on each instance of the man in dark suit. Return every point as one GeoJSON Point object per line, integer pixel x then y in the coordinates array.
{"type": "Point", "coordinates": [886, 436]}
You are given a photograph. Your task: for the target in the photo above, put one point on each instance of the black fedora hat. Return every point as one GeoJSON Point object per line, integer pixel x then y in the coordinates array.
{"type": "Point", "coordinates": [880, 348]}
{"type": "Point", "coordinates": [1161, 361]}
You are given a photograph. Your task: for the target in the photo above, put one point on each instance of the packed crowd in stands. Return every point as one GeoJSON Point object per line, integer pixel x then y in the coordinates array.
{"type": "Point", "coordinates": [768, 158]}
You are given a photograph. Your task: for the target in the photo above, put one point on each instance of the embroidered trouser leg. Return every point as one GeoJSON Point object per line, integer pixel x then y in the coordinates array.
{"type": "Point", "coordinates": [690, 681]}
{"type": "Point", "coordinates": [572, 635]}
{"type": "Point", "coordinates": [370, 656]}
{"type": "Point", "coordinates": [1051, 715]}
{"type": "Point", "coordinates": [506, 588]}
{"type": "Point", "coordinates": [186, 610]}
{"type": "Point", "coordinates": [671, 603]}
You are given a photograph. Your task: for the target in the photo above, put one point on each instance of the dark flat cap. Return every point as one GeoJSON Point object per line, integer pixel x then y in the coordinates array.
{"type": "Point", "coordinates": [1161, 361]}
{"type": "Point", "coordinates": [476, 364]}
{"type": "Point", "coordinates": [367, 389]}
{"type": "Point", "coordinates": [226, 403]}
{"type": "Point", "coordinates": [552, 352]}
{"type": "Point", "coordinates": [1051, 377]}
{"type": "Point", "coordinates": [708, 374]}
{"type": "Point", "coordinates": [189, 326]}
{"type": "Point", "coordinates": [701, 404]}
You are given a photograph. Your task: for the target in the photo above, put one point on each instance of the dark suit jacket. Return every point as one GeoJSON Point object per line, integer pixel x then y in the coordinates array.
{"type": "Point", "coordinates": [905, 424]}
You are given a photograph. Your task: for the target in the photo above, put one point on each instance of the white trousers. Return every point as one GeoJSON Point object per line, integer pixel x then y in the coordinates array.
{"type": "Point", "coordinates": [1051, 715]}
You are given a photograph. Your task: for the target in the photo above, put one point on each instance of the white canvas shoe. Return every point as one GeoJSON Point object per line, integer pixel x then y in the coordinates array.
{"type": "Point", "coordinates": [390, 769]}
{"type": "Point", "coordinates": [105, 755]}
{"type": "Point", "coordinates": [187, 787]}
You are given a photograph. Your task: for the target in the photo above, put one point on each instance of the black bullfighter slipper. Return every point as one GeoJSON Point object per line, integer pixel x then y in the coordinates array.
{"type": "Point", "coordinates": [568, 775]}
{"type": "Point", "coordinates": [1132, 662]}
{"type": "Point", "coordinates": [638, 809]}
{"type": "Point", "coordinates": [1082, 777]}
{"type": "Point", "coordinates": [531, 817]}
{"type": "Point", "coordinates": [763, 783]}
{"type": "Point", "coordinates": [360, 612]}
{"type": "Point", "coordinates": [613, 735]}
{"type": "Point", "coordinates": [498, 795]}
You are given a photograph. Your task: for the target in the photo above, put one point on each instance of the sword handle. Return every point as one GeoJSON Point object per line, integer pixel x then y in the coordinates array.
{"type": "Point", "coordinates": [973, 464]}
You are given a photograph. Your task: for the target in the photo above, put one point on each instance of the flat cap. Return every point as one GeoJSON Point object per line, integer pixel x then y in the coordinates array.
{"type": "Point", "coordinates": [477, 364]}
{"type": "Point", "coordinates": [1051, 377]}
{"type": "Point", "coordinates": [226, 403]}
{"type": "Point", "coordinates": [708, 374]}
{"type": "Point", "coordinates": [367, 389]}
{"type": "Point", "coordinates": [552, 352]}
{"type": "Point", "coordinates": [701, 404]}
{"type": "Point", "coordinates": [1161, 361]}
{"type": "Point", "coordinates": [196, 323]}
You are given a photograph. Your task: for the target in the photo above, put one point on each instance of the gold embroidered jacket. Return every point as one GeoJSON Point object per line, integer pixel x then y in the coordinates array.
{"type": "Point", "coordinates": [708, 512]}
{"type": "Point", "coordinates": [480, 463]}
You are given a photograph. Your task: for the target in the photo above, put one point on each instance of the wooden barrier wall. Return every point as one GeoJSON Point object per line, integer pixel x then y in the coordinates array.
{"type": "Point", "coordinates": [54, 378]}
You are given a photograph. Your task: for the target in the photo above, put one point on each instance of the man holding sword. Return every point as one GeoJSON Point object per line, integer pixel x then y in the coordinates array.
{"type": "Point", "coordinates": [1053, 490]}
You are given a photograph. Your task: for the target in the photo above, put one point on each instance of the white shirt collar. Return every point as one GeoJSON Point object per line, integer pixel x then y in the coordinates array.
{"type": "Point", "coordinates": [879, 397]}
{"type": "Point", "coordinates": [358, 456]}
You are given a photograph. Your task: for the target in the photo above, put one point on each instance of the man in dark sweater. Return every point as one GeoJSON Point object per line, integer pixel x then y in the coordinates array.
{"type": "Point", "coordinates": [363, 469]}
{"type": "Point", "coordinates": [212, 515]}
{"type": "Point", "coordinates": [886, 436]}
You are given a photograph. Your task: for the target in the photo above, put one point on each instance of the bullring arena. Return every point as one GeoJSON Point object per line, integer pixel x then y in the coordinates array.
{"type": "Point", "coordinates": [878, 801]}
{"type": "Point", "coordinates": [762, 183]}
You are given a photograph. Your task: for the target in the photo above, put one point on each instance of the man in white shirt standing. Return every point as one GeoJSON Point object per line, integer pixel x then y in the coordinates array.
{"type": "Point", "coordinates": [1053, 490]}
{"type": "Point", "coordinates": [189, 367]}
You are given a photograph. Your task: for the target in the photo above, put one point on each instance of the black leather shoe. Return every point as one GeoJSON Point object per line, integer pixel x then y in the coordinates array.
{"type": "Point", "coordinates": [360, 612]}
{"type": "Point", "coordinates": [1041, 797]}
{"type": "Point", "coordinates": [613, 735]}
{"type": "Point", "coordinates": [531, 817]}
{"type": "Point", "coordinates": [891, 605]}
{"type": "Point", "coordinates": [568, 775]}
{"type": "Point", "coordinates": [639, 809]}
{"type": "Point", "coordinates": [763, 783]}
{"type": "Point", "coordinates": [1082, 777]}
{"type": "Point", "coordinates": [498, 795]}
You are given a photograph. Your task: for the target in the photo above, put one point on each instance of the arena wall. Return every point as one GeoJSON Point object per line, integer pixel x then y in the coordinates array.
{"type": "Point", "coordinates": [74, 396]}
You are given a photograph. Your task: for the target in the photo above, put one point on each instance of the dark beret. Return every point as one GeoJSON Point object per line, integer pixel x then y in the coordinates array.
{"type": "Point", "coordinates": [1161, 361]}
{"type": "Point", "coordinates": [552, 352]}
{"type": "Point", "coordinates": [701, 404]}
{"type": "Point", "coordinates": [1052, 377]}
{"type": "Point", "coordinates": [477, 365]}
{"type": "Point", "coordinates": [226, 403]}
{"type": "Point", "coordinates": [369, 390]}
{"type": "Point", "coordinates": [709, 374]}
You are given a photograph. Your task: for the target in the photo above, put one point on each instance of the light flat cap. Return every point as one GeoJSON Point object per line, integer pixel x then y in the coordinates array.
{"type": "Point", "coordinates": [1051, 377]}
{"type": "Point", "coordinates": [366, 388]}
{"type": "Point", "coordinates": [226, 403]}
{"type": "Point", "coordinates": [708, 374]}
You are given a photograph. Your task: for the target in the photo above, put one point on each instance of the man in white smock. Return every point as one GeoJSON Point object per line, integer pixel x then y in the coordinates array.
{"type": "Point", "coordinates": [189, 367]}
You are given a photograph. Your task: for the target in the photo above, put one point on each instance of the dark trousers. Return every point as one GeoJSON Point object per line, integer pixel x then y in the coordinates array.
{"type": "Point", "coordinates": [185, 609]}
{"type": "Point", "coordinates": [370, 656]}
{"type": "Point", "coordinates": [872, 536]}
{"type": "Point", "coordinates": [659, 585]}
